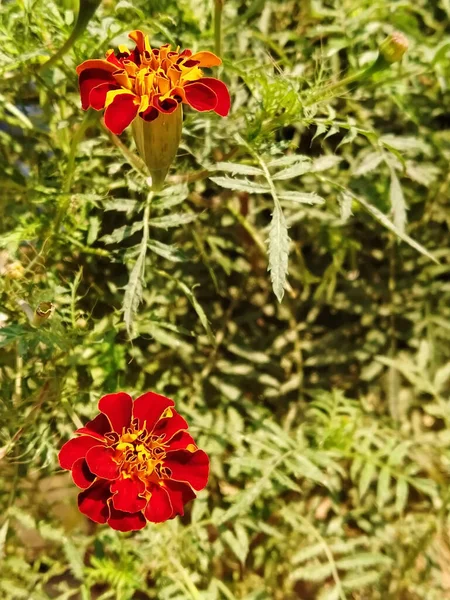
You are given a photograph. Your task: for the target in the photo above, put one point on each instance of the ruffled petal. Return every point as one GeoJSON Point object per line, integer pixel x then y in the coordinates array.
{"type": "Point", "coordinates": [179, 494]}
{"type": "Point", "coordinates": [90, 79]}
{"type": "Point", "coordinates": [206, 59]}
{"type": "Point", "coordinates": [191, 467]}
{"type": "Point", "coordinates": [97, 427]}
{"type": "Point", "coordinates": [150, 114]}
{"type": "Point", "coordinates": [169, 105]}
{"type": "Point", "coordinates": [97, 64]}
{"type": "Point", "coordinates": [81, 475]}
{"type": "Point", "coordinates": [117, 407]}
{"type": "Point", "coordinates": [159, 507]}
{"type": "Point", "coordinates": [93, 502]}
{"type": "Point", "coordinates": [125, 521]}
{"type": "Point", "coordinates": [223, 96]}
{"type": "Point", "coordinates": [141, 40]}
{"type": "Point", "coordinates": [182, 441]}
{"type": "Point", "coordinates": [148, 408]}
{"type": "Point", "coordinates": [127, 494]}
{"type": "Point", "coordinates": [100, 461]}
{"type": "Point", "coordinates": [169, 426]}
{"type": "Point", "coordinates": [121, 111]}
{"type": "Point", "coordinates": [75, 449]}
{"type": "Point", "coordinates": [200, 96]}
{"type": "Point", "coordinates": [97, 97]}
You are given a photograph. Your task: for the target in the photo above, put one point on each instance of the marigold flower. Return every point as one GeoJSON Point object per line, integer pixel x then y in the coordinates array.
{"type": "Point", "coordinates": [135, 462]}
{"type": "Point", "coordinates": [146, 82]}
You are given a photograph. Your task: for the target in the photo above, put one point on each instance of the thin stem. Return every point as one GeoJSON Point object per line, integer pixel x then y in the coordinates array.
{"type": "Point", "coordinates": [329, 555]}
{"type": "Point", "coordinates": [86, 11]}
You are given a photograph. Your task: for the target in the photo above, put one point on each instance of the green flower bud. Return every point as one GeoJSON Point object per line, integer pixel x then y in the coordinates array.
{"type": "Point", "coordinates": [394, 47]}
{"type": "Point", "coordinates": [157, 142]}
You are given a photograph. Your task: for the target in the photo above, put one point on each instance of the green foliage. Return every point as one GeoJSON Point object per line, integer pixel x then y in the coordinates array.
{"type": "Point", "coordinates": [320, 390]}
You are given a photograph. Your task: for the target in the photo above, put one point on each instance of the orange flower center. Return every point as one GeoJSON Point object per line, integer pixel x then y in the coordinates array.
{"type": "Point", "coordinates": [139, 453]}
{"type": "Point", "coordinates": [159, 72]}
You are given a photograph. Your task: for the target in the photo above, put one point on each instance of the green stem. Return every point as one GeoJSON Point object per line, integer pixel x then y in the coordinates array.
{"type": "Point", "coordinates": [380, 64]}
{"type": "Point", "coordinates": [218, 8]}
{"type": "Point", "coordinates": [86, 11]}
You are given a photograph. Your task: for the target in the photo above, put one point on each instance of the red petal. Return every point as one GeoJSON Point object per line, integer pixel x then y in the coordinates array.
{"type": "Point", "coordinates": [97, 427]}
{"type": "Point", "coordinates": [81, 475]}
{"type": "Point", "coordinates": [159, 507]}
{"type": "Point", "coordinates": [179, 494]}
{"type": "Point", "coordinates": [191, 467]}
{"type": "Point", "coordinates": [121, 112]}
{"type": "Point", "coordinates": [180, 441]}
{"type": "Point", "coordinates": [101, 462]}
{"type": "Point", "coordinates": [93, 501]}
{"type": "Point", "coordinates": [97, 97]}
{"type": "Point", "coordinates": [150, 114]}
{"type": "Point", "coordinates": [111, 58]}
{"type": "Point", "coordinates": [125, 521]}
{"type": "Point", "coordinates": [200, 96]}
{"type": "Point", "coordinates": [169, 426]}
{"type": "Point", "coordinates": [117, 407]}
{"type": "Point", "coordinates": [148, 408]}
{"type": "Point", "coordinates": [90, 79]}
{"type": "Point", "coordinates": [96, 63]}
{"type": "Point", "coordinates": [126, 494]}
{"type": "Point", "coordinates": [75, 449]}
{"type": "Point", "coordinates": [223, 96]}
{"type": "Point", "coordinates": [169, 105]}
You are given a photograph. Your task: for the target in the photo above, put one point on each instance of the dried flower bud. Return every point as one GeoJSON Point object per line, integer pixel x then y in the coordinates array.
{"type": "Point", "coordinates": [394, 47]}
{"type": "Point", "coordinates": [43, 311]}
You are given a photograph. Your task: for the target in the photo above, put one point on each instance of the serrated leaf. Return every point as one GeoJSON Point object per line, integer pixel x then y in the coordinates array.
{"type": "Point", "coordinates": [401, 494]}
{"type": "Point", "coordinates": [278, 252]}
{"type": "Point", "coordinates": [295, 170]}
{"type": "Point", "coordinates": [383, 483]}
{"type": "Point", "coordinates": [238, 542]}
{"type": "Point", "coordinates": [169, 252]}
{"type": "Point", "coordinates": [363, 559]}
{"type": "Point", "coordinates": [134, 287]}
{"type": "Point", "coordinates": [345, 204]}
{"type": "Point", "coordinates": [369, 163]}
{"type": "Point", "coordinates": [285, 161]}
{"type": "Point", "coordinates": [301, 197]}
{"type": "Point", "coordinates": [173, 220]}
{"type": "Point", "coordinates": [240, 185]}
{"type": "Point", "coordinates": [238, 169]}
{"type": "Point", "coordinates": [367, 475]}
{"type": "Point", "coordinates": [398, 203]}
{"type": "Point", "coordinates": [323, 163]}
{"type": "Point", "coordinates": [121, 233]}
{"type": "Point", "coordinates": [383, 219]}
{"type": "Point", "coordinates": [199, 310]}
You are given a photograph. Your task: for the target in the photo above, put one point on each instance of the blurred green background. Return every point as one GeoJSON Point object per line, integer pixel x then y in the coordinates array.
{"type": "Point", "coordinates": [326, 416]}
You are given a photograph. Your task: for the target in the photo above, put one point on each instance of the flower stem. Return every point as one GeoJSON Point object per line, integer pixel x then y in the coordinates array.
{"type": "Point", "coordinates": [86, 11]}
{"type": "Point", "coordinates": [218, 8]}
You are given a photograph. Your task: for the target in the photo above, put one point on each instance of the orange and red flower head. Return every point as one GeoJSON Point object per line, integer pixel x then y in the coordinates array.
{"type": "Point", "coordinates": [135, 462]}
{"type": "Point", "coordinates": [146, 81]}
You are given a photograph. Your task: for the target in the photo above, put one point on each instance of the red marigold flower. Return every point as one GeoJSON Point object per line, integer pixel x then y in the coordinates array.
{"type": "Point", "coordinates": [135, 462]}
{"type": "Point", "coordinates": [145, 82]}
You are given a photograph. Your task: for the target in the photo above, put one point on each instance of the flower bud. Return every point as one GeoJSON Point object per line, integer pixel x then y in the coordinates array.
{"type": "Point", "coordinates": [157, 142]}
{"type": "Point", "coordinates": [394, 47]}
{"type": "Point", "coordinates": [43, 311]}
